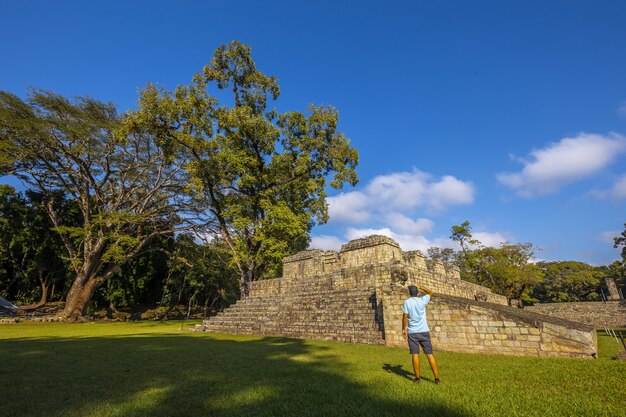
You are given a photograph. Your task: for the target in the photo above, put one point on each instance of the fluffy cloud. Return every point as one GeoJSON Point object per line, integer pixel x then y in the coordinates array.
{"type": "Point", "coordinates": [387, 206]}
{"type": "Point", "coordinates": [408, 190]}
{"type": "Point", "coordinates": [326, 242]}
{"type": "Point", "coordinates": [401, 222]}
{"type": "Point", "coordinates": [352, 207]}
{"type": "Point", "coordinates": [400, 193]}
{"type": "Point", "coordinates": [406, 241]}
{"type": "Point", "coordinates": [562, 163]}
{"type": "Point", "coordinates": [491, 239]}
{"type": "Point", "coordinates": [388, 202]}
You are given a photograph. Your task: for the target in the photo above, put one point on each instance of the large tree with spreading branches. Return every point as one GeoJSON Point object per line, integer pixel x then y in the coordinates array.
{"type": "Point", "coordinates": [260, 174]}
{"type": "Point", "coordinates": [128, 184]}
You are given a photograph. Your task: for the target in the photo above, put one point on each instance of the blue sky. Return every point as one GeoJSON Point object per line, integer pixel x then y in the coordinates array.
{"type": "Point", "coordinates": [509, 114]}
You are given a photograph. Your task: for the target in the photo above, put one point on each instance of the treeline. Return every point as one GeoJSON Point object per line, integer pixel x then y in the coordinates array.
{"type": "Point", "coordinates": [175, 270]}
{"type": "Point", "coordinates": [511, 270]}
{"type": "Point", "coordinates": [210, 158]}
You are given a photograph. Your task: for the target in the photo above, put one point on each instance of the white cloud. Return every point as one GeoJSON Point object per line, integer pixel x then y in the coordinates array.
{"type": "Point", "coordinates": [450, 192]}
{"type": "Point", "coordinates": [618, 192]}
{"type": "Point", "coordinates": [408, 190]}
{"type": "Point", "coordinates": [388, 204]}
{"type": "Point", "coordinates": [349, 207]}
{"type": "Point", "coordinates": [406, 241]}
{"type": "Point", "coordinates": [326, 242]}
{"type": "Point", "coordinates": [400, 193]}
{"type": "Point", "coordinates": [407, 225]}
{"type": "Point", "coordinates": [562, 163]}
{"type": "Point", "coordinates": [491, 239]}
{"type": "Point", "coordinates": [405, 238]}
{"type": "Point", "coordinates": [400, 190]}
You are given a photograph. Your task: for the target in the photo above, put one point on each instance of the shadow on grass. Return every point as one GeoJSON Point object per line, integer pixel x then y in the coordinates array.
{"type": "Point", "coordinates": [398, 370]}
{"type": "Point", "coordinates": [183, 375]}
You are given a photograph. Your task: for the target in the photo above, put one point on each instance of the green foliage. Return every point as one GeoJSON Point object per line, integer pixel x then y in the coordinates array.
{"type": "Point", "coordinates": [568, 281]}
{"type": "Point", "coordinates": [260, 174]}
{"type": "Point", "coordinates": [510, 270]}
{"type": "Point", "coordinates": [620, 241]}
{"type": "Point", "coordinates": [447, 256]}
{"type": "Point", "coordinates": [127, 184]}
{"type": "Point", "coordinates": [462, 235]}
{"type": "Point", "coordinates": [506, 270]}
{"type": "Point", "coordinates": [200, 274]}
{"type": "Point", "coordinates": [618, 269]}
{"type": "Point", "coordinates": [31, 256]}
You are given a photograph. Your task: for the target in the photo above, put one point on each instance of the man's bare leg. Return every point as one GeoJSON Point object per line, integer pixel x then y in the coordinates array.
{"type": "Point", "coordinates": [433, 364]}
{"type": "Point", "coordinates": [416, 364]}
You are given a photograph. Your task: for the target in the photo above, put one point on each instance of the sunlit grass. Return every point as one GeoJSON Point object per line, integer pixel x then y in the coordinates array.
{"type": "Point", "coordinates": [155, 369]}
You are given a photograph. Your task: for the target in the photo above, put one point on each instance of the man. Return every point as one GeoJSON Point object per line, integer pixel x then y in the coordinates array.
{"type": "Point", "coordinates": [417, 332]}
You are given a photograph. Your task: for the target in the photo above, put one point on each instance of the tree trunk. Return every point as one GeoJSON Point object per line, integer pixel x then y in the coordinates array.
{"type": "Point", "coordinates": [244, 288]}
{"type": "Point", "coordinates": [44, 294]}
{"type": "Point", "coordinates": [206, 304]}
{"type": "Point", "coordinates": [190, 302]}
{"type": "Point", "coordinates": [248, 275]}
{"type": "Point", "coordinates": [44, 290]}
{"type": "Point", "coordinates": [79, 296]}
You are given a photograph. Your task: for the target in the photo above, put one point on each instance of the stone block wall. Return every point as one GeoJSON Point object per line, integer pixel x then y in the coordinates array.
{"type": "Point", "coordinates": [369, 262]}
{"type": "Point", "coordinates": [356, 295]}
{"type": "Point", "coordinates": [463, 325]}
{"type": "Point", "coordinates": [597, 314]}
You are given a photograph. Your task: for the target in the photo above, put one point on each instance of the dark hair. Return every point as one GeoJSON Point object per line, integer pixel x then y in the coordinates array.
{"type": "Point", "coordinates": [413, 290]}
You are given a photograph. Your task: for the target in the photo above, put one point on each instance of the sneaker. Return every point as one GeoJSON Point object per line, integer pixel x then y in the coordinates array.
{"type": "Point", "coordinates": [416, 380]}
{"type": "Point", "coordinates": [437, 381]}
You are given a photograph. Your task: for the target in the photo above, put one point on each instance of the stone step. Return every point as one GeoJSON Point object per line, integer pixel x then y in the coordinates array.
{"type": "Point", "coordinates": [290, 317]}
{"type": "Point", "coordinates": [296, 332]}
{"type": "Point", "coordinates": [347, 312]}
{"type": "Point", "coordinates": [372, 340]}
{"type": "Point", "coordinates": [304, 324]}
{"type": "Point", "coordinates": [309, 311]}
{"type": "Point", "coordinates": [308, 294]}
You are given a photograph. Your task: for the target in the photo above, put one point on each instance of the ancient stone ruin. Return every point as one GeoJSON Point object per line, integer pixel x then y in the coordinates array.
{"type": "Point", "coordinates": [356, 295]}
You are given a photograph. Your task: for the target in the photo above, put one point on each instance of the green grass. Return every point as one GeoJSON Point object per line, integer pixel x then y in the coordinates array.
{"type": "Point", "coordinates": [153, 369]}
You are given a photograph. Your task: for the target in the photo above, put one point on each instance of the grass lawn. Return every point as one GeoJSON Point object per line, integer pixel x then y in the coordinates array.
{"type": "Point", "coordinates": [153, 369]}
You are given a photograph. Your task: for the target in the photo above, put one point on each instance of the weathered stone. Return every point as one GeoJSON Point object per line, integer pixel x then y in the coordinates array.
{"type": "Point", "coordinates": [598, 314]}
{"type": "Point", "coordinates": [356, 296]}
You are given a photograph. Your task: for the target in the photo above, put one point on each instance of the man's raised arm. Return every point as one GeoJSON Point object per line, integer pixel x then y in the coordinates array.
{"type": "Point", "coordinates": [426, 290]}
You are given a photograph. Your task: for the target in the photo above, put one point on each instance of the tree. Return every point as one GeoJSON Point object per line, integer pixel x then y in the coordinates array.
{"type": "Point", "coordinates": [620, 271]}
{"type": "Point", "coordinates": [446, 256]}
{"type": "Point", "coordinates": [462, 235]}
{"type": "Point", "coordinates": [200, 274]}
{"type": "Point", "coordinates": [261, 174]}
{"type": "Point", "coordinates": [127, 183]}
{"type": "Point", "coordinates": [466, 258]}
{"type": "Point", "coordinates": [621, 241]}
{"type": "Point", "coordinates": [506, 270]}
{"type": "Point", "coordinates": [568, 281]}
{"type": "Point", "coordinates": [30, 256]}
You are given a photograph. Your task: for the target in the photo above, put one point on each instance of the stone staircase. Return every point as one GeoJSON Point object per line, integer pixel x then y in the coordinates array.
{"type": "Point", "coordinates": [349, 315]}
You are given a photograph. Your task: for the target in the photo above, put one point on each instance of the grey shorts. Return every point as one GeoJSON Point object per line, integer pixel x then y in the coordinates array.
{"type": "Point", "coordinates": [420, 339]}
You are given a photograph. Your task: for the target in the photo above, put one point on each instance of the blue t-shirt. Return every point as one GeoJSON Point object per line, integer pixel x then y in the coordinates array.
{"type": "Point", "coordinates": [415, 307]}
